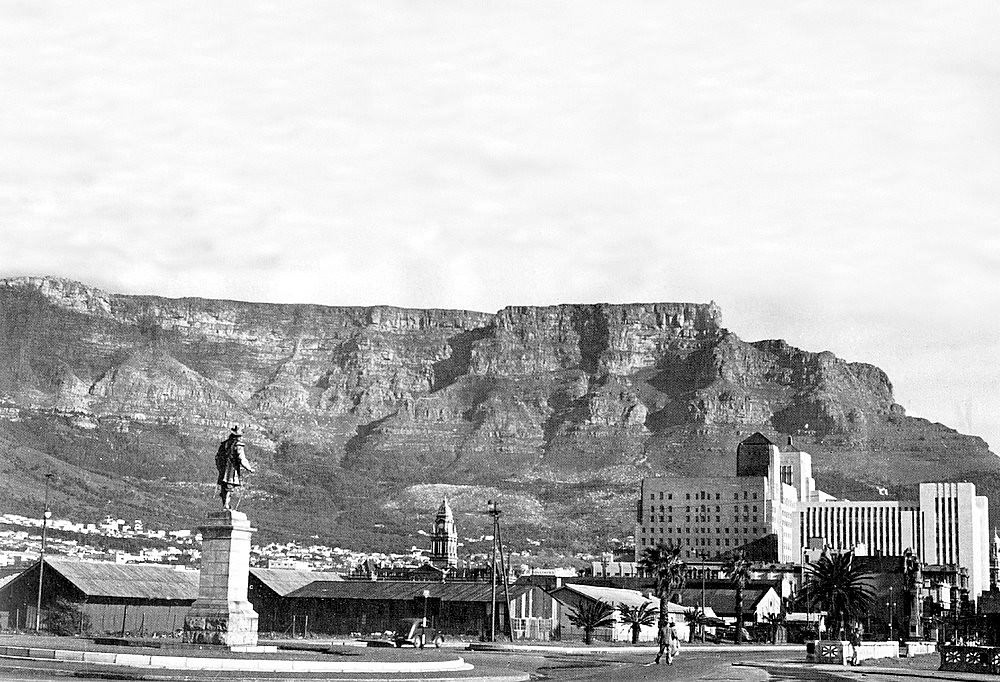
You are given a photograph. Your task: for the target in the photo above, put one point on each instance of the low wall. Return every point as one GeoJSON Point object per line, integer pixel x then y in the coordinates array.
{"type": "Point", "coordinates": [970, 659]}
{"type": "Point", "coordinates": [839, 652]}
{"type": "Point", "coordinates": [919, 648]}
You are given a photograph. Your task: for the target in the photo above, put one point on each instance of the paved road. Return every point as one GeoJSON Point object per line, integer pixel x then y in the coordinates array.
{"type": "Point", "coordinates": [705, 666]}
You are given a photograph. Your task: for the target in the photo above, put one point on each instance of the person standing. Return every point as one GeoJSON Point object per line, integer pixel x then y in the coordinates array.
{"type": "Point", "coordinates": [668, 641]}
{"type": "Point", "coordinates": [230, 460]}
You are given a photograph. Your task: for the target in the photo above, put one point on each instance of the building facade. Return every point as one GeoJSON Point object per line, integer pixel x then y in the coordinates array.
{"type": "Point", "coordinates": [774, 494]}
{"type": "Point", "coordinates": [444, 539]}
{"type": "Point", "coordinates": [955, 525]}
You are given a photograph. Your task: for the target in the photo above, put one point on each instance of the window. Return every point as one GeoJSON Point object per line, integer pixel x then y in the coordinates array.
{"type": "Point", "coordinates": [717, 508]}
{"type": "Point", "coordinates": [670, 496]}
{"type": "Point", "coordinates": [652, 496]}
{"type": "Point", "coordinates": [786, 475]}
{"type": "Point", "coordinates": [670, 519]}
{"type": "Point", "coordinates": [755, 496]}
{"type": "Point", "coordinates": [755, 507]}
{"type": "Point", "coordinates": [736, 496]}
{"type": "Point", "coordinates": [688, 519]}
{"type": "Point", "coordinates": [718, 519]}
{"type": "Point", "coordinates": [670, 507]}
{"type": "Point", "coordinates": [718, 496]}
{"type": "Point", "coordinates": [661, 495]}
{"type": "Point", "coordinates": [687, 496]}
{"type": "Point", "coordinates": [745, 494]}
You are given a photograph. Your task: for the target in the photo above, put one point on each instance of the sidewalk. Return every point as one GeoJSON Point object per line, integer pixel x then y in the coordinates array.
{"type": "Point", "coordinates": [874, 670]}
{"type": "Point", "coordinates": [648, 648]}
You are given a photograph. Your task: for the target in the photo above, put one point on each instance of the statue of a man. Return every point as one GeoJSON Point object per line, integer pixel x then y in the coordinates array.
{"type": "Point", "coordinates": [229, 460]}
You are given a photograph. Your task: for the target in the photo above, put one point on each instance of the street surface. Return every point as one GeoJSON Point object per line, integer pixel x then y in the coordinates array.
{"type": "Point", "coordinates": [509, 666]}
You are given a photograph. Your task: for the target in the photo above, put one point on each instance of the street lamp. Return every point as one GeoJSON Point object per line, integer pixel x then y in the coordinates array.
{"type": "Point", "coordinates": [892, 621]}
{"type": "Point", "coordinates": [46, 515]}
{"type": "Point", "coordinates": [427, 595]}
{"type": "Point", "coordinates": [703, 556]}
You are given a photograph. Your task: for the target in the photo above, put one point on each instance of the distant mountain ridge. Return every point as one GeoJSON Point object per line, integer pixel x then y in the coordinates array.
{"type": "Point", "coordinates": [352, 409]}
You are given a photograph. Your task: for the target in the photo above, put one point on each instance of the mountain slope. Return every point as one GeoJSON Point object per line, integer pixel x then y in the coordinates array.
{"type": "Point", "coordinates": [559, 409]}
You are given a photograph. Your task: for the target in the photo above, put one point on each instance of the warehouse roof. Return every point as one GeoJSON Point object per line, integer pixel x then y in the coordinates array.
{"type": "Point", "coordinates": [282, 581]}
{"type": "Point", "coordinates": [396, 590]}
{"type": "Point", "coordinates": [129, 581]}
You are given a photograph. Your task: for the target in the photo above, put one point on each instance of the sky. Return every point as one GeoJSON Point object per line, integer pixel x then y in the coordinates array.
{"type": "Point", "coordinates": [827, 172]}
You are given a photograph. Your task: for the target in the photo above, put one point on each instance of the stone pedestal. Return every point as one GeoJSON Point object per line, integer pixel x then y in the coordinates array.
{"type": "Point", "coordinates": [222, 614]}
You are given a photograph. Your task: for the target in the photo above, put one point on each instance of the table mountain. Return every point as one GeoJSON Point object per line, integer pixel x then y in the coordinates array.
{"type": "Point", "coordinates": [362, 416]}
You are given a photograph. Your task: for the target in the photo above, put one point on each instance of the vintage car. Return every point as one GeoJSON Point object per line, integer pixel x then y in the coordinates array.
{"type": "Point", "coordinates": [413, 632]}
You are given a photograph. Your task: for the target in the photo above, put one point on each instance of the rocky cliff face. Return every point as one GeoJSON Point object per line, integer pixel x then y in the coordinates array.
{"type": "Point", "coordinates": [370, 400]}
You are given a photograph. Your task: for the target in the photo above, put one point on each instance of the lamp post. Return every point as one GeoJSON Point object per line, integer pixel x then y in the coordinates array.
{"type": "Point", "coordinates": [890, 605]}
{"type": "Point", "coordinates": [493, 510]}
{"type": "Point", "coordinates": [46, 515]}
{"type": "Point", "coordinates": [703, 556]}
{"type": "Point", "coordinates": [427, 595]}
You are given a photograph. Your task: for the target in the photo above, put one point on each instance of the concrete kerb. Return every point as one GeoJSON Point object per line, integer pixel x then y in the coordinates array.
{"type": "Point", "coordinates": [897, 672]}
{"type": "Point", "coordinates": [485, 647]}
{"type": "Point", "coordinates": [142, 661]}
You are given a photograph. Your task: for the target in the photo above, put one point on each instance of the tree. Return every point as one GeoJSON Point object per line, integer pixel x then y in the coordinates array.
{"type": "Point", "coordinates": [590, 615]}
{"type": "Point", "coordinates": [697, 619]}
{"type": "Point", "coordinates": [842, 589]}
{"type": "Point", "coordinates": [663, 562]}
{"type": "Point", "coordinates": [738, 569]}
{"type": "Point", "coordinates": [65, 618]}
{"type": "Point", "coordinates": [774, 620]}
{"type": "Point", "coordinates": [636, 617]}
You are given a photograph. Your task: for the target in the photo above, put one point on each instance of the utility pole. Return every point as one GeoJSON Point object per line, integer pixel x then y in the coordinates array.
{"type": "Point", "coordinates": [494, 511]}
{"type": "Point", "coordinates": [46, 515]}
{"type": "Point", "coordinates": [703, 556]}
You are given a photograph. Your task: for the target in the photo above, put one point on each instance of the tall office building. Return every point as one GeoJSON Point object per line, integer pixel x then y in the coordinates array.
{"type": "Point", "coordinates": [956, 530]}
{"type": "Point", "coordinates": [774, 493]}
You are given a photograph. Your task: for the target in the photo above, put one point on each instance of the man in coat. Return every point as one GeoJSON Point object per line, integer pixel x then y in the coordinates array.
{"type": "Point", "coordinates": [229, 460]}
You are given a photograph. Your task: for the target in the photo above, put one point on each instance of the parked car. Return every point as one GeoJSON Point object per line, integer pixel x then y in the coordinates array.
{"type": "Point", "coordinates": [413, 632]}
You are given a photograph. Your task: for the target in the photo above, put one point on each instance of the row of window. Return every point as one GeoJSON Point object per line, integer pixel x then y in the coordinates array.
{"type": "Point", "coordinates": [667, 530]}
{"type": "Point", "coordinates": [703, 508]}
{"type": "Point", "coordinates": [705, 496]}
{"type": "Point", "coordinates": [706, 518]}
{"type": "Point", "coordinates": [703, 542]}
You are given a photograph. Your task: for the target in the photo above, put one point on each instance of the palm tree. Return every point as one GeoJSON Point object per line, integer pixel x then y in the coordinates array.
{"type": "Point", "coordinates": [841, 588]}
{"type": "Point", "coordinates": [738, 569]}
{"type": "Point", "coordinates": [663, 562]}
{"type": "Point", "coordinates": [697, 619]}
{"type": "Point", "coordinates": [638, 616]}
{"type": "Point", "coordinates": [590, 615]}
{"type": "Point", "coordinates": [774, 620]}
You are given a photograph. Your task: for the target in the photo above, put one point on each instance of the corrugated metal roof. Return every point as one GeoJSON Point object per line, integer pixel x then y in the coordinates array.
{"type": "Point", "coordinates": [609, 595]}
{"type": "Point", "coordinates": [8, 578]}
{"type": "Point", "coordinates": [724, 600]}
{"type": "Point", "coordinates": [401, 590]}
{"type": "Point", "coordinates": [129, 581]}
{"type": "Point", "coordinates": [283, 580]}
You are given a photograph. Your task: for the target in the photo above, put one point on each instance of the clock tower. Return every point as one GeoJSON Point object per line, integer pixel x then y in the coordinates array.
{"type": "Point", "coordinates": [444, 539]}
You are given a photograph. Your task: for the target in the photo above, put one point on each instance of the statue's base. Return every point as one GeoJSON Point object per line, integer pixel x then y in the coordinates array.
{"type": "Point", "coordinates": [222, 615]}
{"type": "Point", "coordinates": [233, 625]}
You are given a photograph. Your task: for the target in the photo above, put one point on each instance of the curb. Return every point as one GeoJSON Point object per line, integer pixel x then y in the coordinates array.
{"type": "Point", "coordinates": [235, 665]}
{"type": "Point", "coordinates": [898, 672]}
{"type": "Point", "coordinates": [486, 647]}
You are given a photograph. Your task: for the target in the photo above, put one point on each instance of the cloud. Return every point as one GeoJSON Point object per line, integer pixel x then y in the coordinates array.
{"type": "Point", "coordinates": [826, 173]}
